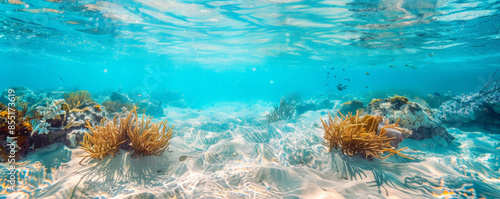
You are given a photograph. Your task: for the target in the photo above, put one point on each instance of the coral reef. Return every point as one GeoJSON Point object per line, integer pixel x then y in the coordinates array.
{"type": "Point", "coordinates": [74, 99]}
{"type": "Point", "coordinates": [57, 120]}
{"type": "Point", "coordinates": [116, 106]}
{"type": "Point", "coordinates": [28, 98]}
{"type": "Point", "coordinates": [414, 117]}
{"type": "Point", "coordinates": [361, 135]}
{"type": "Point", "coordinates": [473, 110]}
{"type": "Point", "coordinates": [15, 130]}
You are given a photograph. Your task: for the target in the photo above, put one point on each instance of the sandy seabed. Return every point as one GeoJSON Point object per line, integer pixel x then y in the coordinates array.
{"type": "Point", "coordinates": [231, 151]}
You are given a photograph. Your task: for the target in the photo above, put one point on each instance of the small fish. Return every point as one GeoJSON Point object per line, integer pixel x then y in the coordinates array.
{"type": "Point", "coordinates": [343, 69]}
{"type": "Point", "coordinates": [139, 95]}
{"type": "Point", "coordinates": [333, 68]}
{"type": "Point", "coordinates": [66, 86]}
{"type": "Point", "coordinates": [335, 76]}
{"type": "Point", "coordinates": [437, 94]}
{"type": "Point", "coordinates": [367, 73]}
{"type": "Point", "coordinates": [366, 86]}
{"type": "Point", "coordinates": [328, 73]}
{"type": "Point", "coordinates": [431, 55]}
{"type": "Point", "coordinates": [348, 80]}
{"type": "Point", "coordinates": [392, 66]}
{"type": "Point", "coordinates": [410, 66]}
{"type": "Point", "coordinates": [339, 88]}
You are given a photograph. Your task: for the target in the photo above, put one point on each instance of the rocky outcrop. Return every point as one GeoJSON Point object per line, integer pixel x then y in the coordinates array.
{"type": "Point", "coordinates": [411, 115]}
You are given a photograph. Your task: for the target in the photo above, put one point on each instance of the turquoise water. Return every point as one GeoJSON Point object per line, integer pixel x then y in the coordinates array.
{"type": "Point", "coordinates": [216, 68]}
{"type": "Point", "coordinates": [201, 48]}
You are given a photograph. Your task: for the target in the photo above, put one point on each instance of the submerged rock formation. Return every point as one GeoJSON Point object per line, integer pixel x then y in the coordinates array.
{"type": "Point", "coordinates": [474, 110]}
{"type": "Point", "coordinates": [351, 107]}
{"type": "Point", "coordinates": [412, 116]}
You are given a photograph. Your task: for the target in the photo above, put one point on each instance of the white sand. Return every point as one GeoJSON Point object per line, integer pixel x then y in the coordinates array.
{"type": "Point", "coordinates": [230, 151]}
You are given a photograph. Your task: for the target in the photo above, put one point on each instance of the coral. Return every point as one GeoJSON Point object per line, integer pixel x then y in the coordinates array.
{"type": "Point", "coordinates": [360, 135]}
{"type": "Point", "coordinates": [16, 124]}
{"type": "Point", "coordinates": [145, 136]}
{"type": "Point", "coordinates": [116, 106]}
{"type": "Point", "coordinates": [105, 139]}
{"type": "Point", "coordinates": [52, 113]}
{"type": "Point", "coordinates": [24, 98]}
{"type": "Point", "coordinates": [480, 109]}
{"type": "Point", "coordinates": [73, 137]}
{"type": "Point", "coordinates": [57, 120]}
{"type": "Point", "coordinates": [74, 99]}
{"type": "Point", "coordinates": [149, 138]}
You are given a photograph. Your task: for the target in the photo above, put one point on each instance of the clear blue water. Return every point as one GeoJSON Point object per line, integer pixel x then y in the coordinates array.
{"type": "Point", "coordinates": [235, 59]}
{"type": "Point", "coordinates": [232, 50]}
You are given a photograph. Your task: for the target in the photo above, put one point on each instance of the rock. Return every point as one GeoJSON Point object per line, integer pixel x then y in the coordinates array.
{"type": "Point", "coordinates": [120, 97]}
{"type": "Point", "coordinates": [74, 137]}
{"type": "Point", "coordinates": [178, 103]}
{"type": "Point", "coordinates": [304, 107]}
{"type": "Point", "coordinates": [393, 133]}
{"type": "Point", "coordinates": [411, 116]}
{"type": "Point", "coordinates": [351, 107]}
{"type": "Point", "coordinates": [326, 104]}
{"type": "Point", "coordinates": [153, 108]}
{"type": "Point", "coordinates": [165, 96]}
{"type": "Point", "coordinates": [54, 135]}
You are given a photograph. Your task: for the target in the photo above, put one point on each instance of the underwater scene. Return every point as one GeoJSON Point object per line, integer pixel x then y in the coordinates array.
{"type": "Point", "coordinates": [146, 99]}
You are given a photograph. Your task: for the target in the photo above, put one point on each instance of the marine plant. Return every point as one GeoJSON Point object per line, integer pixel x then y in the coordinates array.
{"type": "Point", "coordinates": [74, 99]}
{"type": "Point", "coordinates": [149, 138]}
{"type": "Point", "coordinates": [19, 122]}
{"type": "Point", "coordinates": [360, 135]}
{"type": "Point", "coordinates": [106, 138]}
{"type": "Point", "coordinates": [145, 136]}
{"type": "Point", "coordinates": [285, 109]}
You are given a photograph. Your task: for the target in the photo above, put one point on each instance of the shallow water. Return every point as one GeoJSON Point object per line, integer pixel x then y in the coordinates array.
{"type": "Point", "coordinates": [215, 69]}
